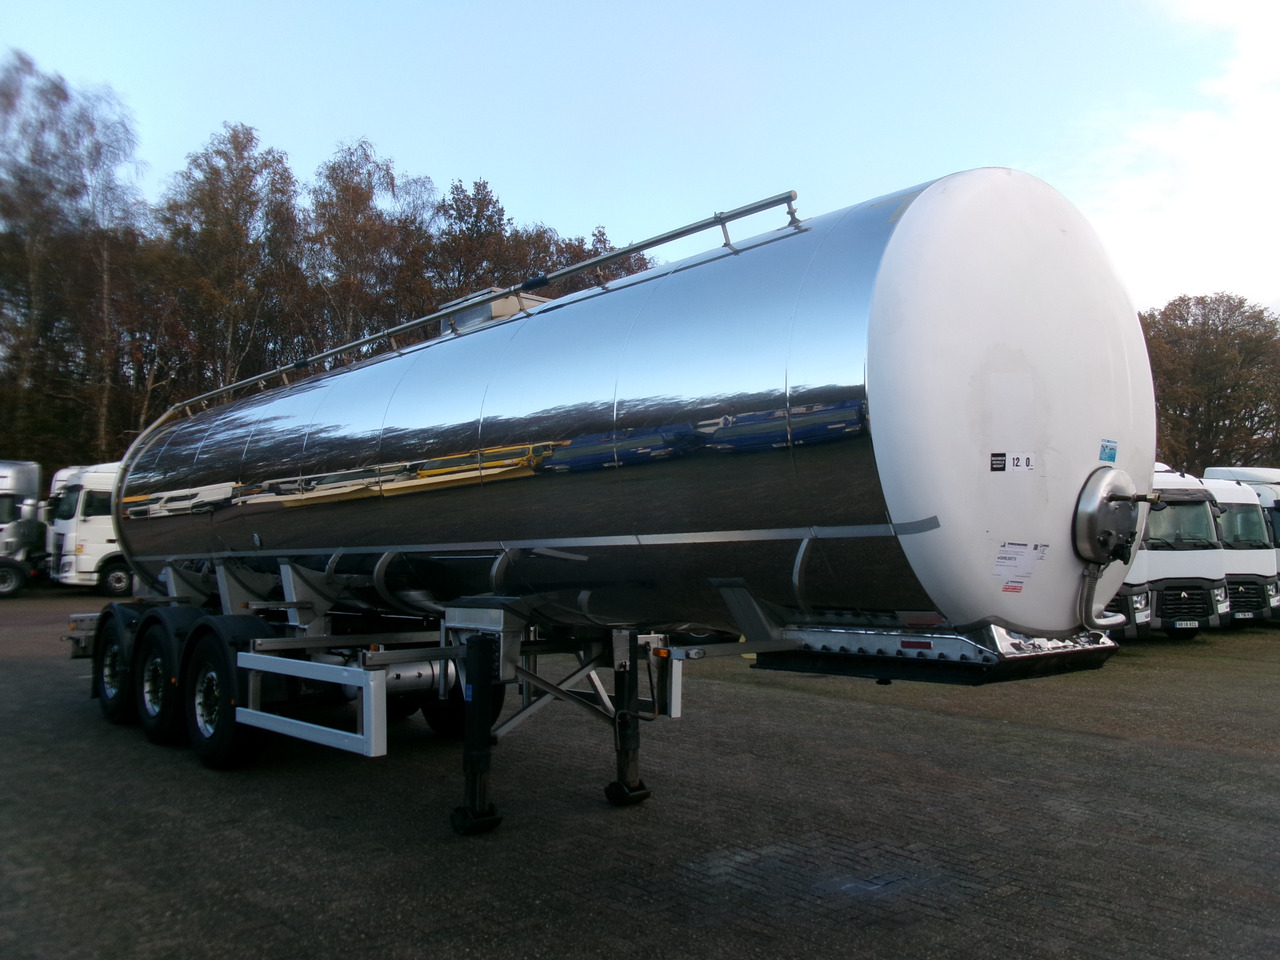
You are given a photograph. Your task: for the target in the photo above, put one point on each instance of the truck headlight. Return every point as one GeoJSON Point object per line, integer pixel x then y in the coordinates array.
{"type": "Point", "coordinates": [1220, 594]}
{"type": "Point", "coordinates": [1141, 601]}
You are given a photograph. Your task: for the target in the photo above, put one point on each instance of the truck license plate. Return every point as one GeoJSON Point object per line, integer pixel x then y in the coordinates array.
{"type": "Point", "coordinates": [1247, 615]}
{"type": "Point", "coordinates": [1186, 623]}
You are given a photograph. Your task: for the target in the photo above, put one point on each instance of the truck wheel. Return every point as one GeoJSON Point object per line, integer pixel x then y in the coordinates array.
{"type": "Point", "coordinates": [111, 673]}
{"type": "Point", "coordinates": [402, 706]}
{"type": "Point", "coordinates": [12, 578]}
{"type": "Point", "coordinates": [448, 717]}
{"type": "Point", "coordinates": [115, 580]}
{"type": "Point", "coordinates": [210, 695]}
{"type": "Point", "coordinates": [157, 698]}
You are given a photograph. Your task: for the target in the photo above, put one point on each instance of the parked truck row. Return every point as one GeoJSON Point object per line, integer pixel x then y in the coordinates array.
{"type": "Point", "coordinates": [1208, 554]}
{"type": "Point", "coordinates": [69, 536]}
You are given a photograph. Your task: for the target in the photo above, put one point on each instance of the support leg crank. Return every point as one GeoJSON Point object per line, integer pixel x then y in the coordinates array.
{"type": "Point", "coordinates": [628, 789]}
{"type": "Point", "coordinates": [479, 815]}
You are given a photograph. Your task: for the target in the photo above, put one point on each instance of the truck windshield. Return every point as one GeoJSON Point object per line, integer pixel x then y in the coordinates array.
{"type": "Point", "coordinates": [1182, 526]}
{"type": "Point", "coordinates": [68, 500]}
{"type": "Point", "coordinates": [8, 508]}
{"type": "Point", "coordinates": [1243, 527]}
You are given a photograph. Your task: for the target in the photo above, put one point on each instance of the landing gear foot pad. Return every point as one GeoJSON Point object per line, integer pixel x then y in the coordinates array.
{"type": "Point", "coordinates": [468, 823]}
{"type": "Point", "coordinates": [621, 795]}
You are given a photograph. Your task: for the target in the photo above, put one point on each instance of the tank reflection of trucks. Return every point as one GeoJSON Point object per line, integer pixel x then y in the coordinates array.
{"type": "Point", "coordinates": [80, 537]}
{"type": "Point", "coordinates": [21, 541]}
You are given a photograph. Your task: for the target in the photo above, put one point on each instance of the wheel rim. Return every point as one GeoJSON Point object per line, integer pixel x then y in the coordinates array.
{"type": "Point", "coordinates": [207, 701]}
{"type": "Point", "coordinates": [8, 579]}
{"type": "Point", "coordinates": [111, 672]}
{"type": "Point", "coordinates": [119, 581]}
{"type": "Point", "coordinates": [153, 685]}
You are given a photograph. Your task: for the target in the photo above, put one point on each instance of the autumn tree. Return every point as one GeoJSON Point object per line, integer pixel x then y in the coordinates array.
{"type": "Point", "coordinates": [478, 246]}
{"type": "Point", "coordinates": [1215, 361]}
{"type": "Point", "coordinates": [232, 216]}
{"type": "Point", "coordinates": [471, 250]}
{"type": "Point", "coordinates": [367, 240]}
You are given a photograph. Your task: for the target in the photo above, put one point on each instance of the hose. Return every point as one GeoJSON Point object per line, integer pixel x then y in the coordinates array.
{"type": "Point", "coordinates": [1090, 618]}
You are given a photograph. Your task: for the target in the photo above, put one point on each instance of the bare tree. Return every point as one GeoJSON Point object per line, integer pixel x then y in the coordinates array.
{"type": "Point", "coordinates": [63, 202]}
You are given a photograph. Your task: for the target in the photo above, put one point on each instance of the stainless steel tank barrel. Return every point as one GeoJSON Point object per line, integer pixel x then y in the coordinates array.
{"type": "Point", "coordinates": [884, 415]}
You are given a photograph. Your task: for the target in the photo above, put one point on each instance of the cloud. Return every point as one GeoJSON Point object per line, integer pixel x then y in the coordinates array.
{"type": "Point", "coordinates": [1188, 201]}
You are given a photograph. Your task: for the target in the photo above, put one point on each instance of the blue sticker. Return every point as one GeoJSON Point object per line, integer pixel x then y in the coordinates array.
{"type": "Point", "coordinates": [1107, 454]}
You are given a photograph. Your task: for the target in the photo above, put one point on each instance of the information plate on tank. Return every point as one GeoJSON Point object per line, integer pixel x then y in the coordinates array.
{"type": "Point", "coordinates": [1019, 462]}
{"type": "Point", "coordinates": [1015, 560]}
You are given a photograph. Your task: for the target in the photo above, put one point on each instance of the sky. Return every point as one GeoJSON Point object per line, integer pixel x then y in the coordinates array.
{"type": "Point", "coordinates": [1159, 119]}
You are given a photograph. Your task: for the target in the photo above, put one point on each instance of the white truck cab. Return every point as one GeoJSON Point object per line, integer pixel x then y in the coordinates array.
{"type": "Point", "coordinates": [1185, 564]}
{"type": "Point", "coordinates": [21, 543]}
{"type": "Point", "coordinates": [81, 537]}
{"type": "Point", "coordinates": [1250, 553]}
{"type": "Point", "coordinates": [1134, 600]}
{"type": "Point", "coordinates": [1265, 482]}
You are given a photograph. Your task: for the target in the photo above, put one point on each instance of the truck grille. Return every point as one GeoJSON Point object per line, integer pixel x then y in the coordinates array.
{"type": "Point", "coordinates": [1184, 603]}
{"type": "Point", "coordinates": [1247, 596]}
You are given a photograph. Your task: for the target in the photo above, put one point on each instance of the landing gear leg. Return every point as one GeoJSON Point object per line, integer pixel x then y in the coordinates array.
{"type": "Point", "coordinates": [628, 789]}
{"type": "Point", "coordinates": [478, 815]}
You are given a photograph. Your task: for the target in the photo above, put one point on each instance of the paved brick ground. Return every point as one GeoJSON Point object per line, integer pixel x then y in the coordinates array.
{"type": "Point", "coordinates": [1130, 812]}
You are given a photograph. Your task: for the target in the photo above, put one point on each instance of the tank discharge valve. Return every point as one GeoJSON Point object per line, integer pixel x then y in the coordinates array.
{"type": "Point", "coordinates": [1106, 526]}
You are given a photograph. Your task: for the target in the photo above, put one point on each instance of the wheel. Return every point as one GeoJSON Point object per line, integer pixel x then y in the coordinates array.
{"type": "Point", "coordinates": [115, 580]}
{"type": "Point", "coordinates": [12, 578]}
{"type": "Point", "coordinates": [156, 694]}
{"type": "Point", "coordinates": [448, 717]}
{"type": "Point", "coordinates": [111, 673]}
{"type": "Point", "coordinates": [211, 690]}
{"type": "Point", "coordinates": [402, 706]}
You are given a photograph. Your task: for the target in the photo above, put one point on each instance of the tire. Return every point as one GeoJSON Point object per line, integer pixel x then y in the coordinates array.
{"type": "Point", "coordinates": [157, 695]}
{"type": "Point", "coordinates": [115, 580]}
{"type": "Point", "coordinates": [211, 692]}
{"type": "Point", "coordinates": [112, 678]}
{"type": "Point", "coordinates": [12, 579]}
{"type": "Point", "coordinates": [448, 717]}
{"type": "Point", "coordinates": [402, 706]}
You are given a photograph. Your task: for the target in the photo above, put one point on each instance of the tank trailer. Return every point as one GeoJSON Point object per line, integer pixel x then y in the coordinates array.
{"type": "Point", "coordinates": [908, 439]}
